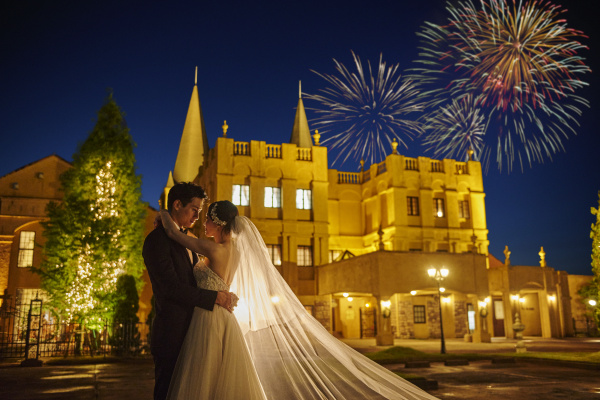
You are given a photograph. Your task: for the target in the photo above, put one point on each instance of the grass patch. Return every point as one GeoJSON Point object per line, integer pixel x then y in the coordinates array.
{"type": "Point", "coordinates": [398, 354]}
{"type": "Point", "coordinates": [562, 356]}
{"type": "Point", "coordinates": [407, 376]}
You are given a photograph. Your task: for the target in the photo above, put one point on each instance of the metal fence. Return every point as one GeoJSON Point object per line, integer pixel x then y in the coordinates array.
{"type": "Point", "coordinates": [585, 327]}
{"type": "Point", "coordinates": [33, 332]}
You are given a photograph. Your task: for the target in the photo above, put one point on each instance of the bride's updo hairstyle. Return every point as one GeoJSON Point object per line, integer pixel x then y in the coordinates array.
{"type": "Point", "coordinates": [223, 213]}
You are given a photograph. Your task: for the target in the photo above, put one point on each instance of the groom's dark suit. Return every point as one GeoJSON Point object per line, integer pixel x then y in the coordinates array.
{"type": "Point", "coordinates": [175, 296]}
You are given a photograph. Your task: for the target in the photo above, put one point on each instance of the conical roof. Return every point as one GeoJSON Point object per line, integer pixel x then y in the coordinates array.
{"type": "Point", "coordinates": [301, 132]}
{"type": "Point", "coordinates": [193, 147]}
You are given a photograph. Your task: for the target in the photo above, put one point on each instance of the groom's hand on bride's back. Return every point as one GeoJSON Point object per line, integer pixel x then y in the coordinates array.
{"type": "Point", "coordinates": [224, 299]}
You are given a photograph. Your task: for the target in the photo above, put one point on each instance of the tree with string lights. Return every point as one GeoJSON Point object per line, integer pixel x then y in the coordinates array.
{"type": "Point", "coordinates": [95, 234]}
{"type": "Point", "coordinates": [590, 293]}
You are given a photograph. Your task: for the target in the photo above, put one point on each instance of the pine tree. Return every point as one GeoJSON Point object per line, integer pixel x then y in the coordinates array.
{"type": "Point", "coordinates": [96, 233]}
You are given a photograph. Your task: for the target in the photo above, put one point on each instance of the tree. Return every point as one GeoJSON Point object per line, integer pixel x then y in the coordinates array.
{"type": "Point", "coordinates": [592, 290]}
{"type": "Point", "coordinates": [96, 233]}
{"type": "Point", "coordinates": [125, 336]}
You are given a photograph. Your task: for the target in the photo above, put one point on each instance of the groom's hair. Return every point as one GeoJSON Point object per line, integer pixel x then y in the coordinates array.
{"type": "Point", "coordinates": [184, 192]}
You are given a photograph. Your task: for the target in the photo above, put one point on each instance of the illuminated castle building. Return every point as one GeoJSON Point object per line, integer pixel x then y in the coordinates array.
{"type": "Point", "coordinates": [356, 246]}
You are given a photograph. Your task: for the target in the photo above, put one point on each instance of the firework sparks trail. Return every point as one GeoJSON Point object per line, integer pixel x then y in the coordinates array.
{"type": "Point", "coordinates": [359, 115]}
{"type": "Point", "coordinates": [519, 63]}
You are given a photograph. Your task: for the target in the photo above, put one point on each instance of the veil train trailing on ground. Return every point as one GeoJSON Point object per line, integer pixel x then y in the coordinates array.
{"type": "Point", "coordinates": [294, 355]}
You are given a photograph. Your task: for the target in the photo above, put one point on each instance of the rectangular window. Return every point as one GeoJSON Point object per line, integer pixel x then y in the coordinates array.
{"type": "Point", "coordinates": [413, 205]}
{"type": "Point", "coordinates": [463, 209]}
{"type": "Point", "coordinates": [275, 253]}
{"type": "Point", "coordinates": [241, 195]}
{"type": "Point", "coordinates": [26, 245]}
{"type": "Point", "coordinates": [305, 256]}
{"type": "Point", "coordinates": [303, 199]}
{"type": "Point", "coordinates": [471, 317]}
{"type": "Point", "coordinates": [334, 255]}
{"type": "Point", "coordinates": [438, 208]}
{"type": "Point", "coordinates": [419, 314]}
{"type": "Point", "coordinates": [273, 197]}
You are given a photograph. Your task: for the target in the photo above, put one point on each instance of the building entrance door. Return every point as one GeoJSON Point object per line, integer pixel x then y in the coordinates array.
{"type": "Point", "coordinates": [368, 323]}
{"type": "Point", "coordinates": [498, 310]}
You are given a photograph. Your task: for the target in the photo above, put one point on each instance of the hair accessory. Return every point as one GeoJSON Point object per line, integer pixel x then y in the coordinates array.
{"type": "Point", "coordinates": [215, 219]}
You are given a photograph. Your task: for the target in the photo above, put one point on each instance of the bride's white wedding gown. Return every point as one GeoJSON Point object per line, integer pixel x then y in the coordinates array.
{"type": "Point", "coordinates": [214, 362]}
{"type": "Point", "coordinates": [270, 347]}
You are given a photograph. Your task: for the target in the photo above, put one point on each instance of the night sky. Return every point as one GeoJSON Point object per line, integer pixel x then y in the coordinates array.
{"type": "Point", "coordinates": [59, 58]}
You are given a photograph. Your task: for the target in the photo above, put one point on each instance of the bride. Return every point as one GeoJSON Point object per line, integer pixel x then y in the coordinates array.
{"type": "Point", "coordinates": [270, 347]}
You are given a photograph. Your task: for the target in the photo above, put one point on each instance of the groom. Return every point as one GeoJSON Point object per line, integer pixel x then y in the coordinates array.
{"type": "Point", "coordinates": [170, 267]}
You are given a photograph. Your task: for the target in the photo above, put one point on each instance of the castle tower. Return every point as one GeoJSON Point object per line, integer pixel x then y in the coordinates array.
{"type": "Point", "coordinates": [193, 147]}
{"type": "Point", "coordinates": [301, 132]}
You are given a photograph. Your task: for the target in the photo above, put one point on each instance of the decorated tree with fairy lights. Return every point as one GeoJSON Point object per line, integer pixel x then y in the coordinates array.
{"type": "Point", "coordinates": [592, 290]}
{"type": "Point", "coordinates": [95, 234]}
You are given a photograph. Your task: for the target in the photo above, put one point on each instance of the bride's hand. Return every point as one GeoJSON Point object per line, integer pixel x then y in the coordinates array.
{"type": "Point", "coordinates": [157, 220]}
{"type": "Point", "coordinates": [167, 222]}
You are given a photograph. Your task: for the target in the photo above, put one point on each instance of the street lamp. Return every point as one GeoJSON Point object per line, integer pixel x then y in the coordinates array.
{"type": "Point", "coordinates": [439, 275]}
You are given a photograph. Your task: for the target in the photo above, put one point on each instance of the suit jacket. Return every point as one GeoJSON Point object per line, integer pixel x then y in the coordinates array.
{"type": "Point", "coordinates": [175, 292]}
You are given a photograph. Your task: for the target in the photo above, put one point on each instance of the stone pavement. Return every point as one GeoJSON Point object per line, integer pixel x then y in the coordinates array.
{"type": "Point", "coordinates": [134, 378]}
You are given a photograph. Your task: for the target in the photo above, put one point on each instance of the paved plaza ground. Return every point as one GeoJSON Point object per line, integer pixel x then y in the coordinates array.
{"type": "Point", "coordinates": [134, 378]}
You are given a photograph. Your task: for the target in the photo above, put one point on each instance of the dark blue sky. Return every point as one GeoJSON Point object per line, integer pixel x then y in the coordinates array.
{"type": "Point", "coordinates": [59, 57]}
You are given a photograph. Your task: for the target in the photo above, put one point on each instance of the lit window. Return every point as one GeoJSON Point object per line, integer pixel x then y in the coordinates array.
{"type": "Point", "coordinates": [305, 256]}
{"type": "Point", "coordinates": [26, 245]}
{"type": "Point", "coordinates": [463, 209]}
{"type": "Point", "coordinates": [334, 255]}
{"type": "Point", "coordinates": [275, 253]}
{"type": "Point", "coordinates": [438, 208]}
{"type": "Point", "coordinates": [273, 197]}
{"type": "Point", "coordinates": [413, 205]}
{"type": "Point", "coordinates": [419, 314]}
{"type": "Point", "coordinates": [303, 199]}
{"type": "Point", "coordinates": [241, 195]}
{"type": "Point", "coordinates": [471, 317]}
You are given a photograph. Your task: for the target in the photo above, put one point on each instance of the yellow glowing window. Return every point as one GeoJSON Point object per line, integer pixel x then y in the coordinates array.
{"type": "Point", "coordinates": [438, 208]}
{"type": "Point", "coordinates": [304, 256]}
{"type": "Point", "coordinates": [463, 209]}
{"type": "Point", "coordinates": [303, 199]}
{"type": "Point", "coordinates": [241, 195]}
{"type": "Point", "coordinates": [26, 245]}
{"type": "Point", "coordinates": [273, 197]}
{"type": "Point", "coordinates": [412, 205]}
{"type": "Point", "coordinates": [275, 253]}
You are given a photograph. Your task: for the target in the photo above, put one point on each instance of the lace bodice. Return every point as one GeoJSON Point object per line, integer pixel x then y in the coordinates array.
{"type": "Point", "coordinates": [206, 278]}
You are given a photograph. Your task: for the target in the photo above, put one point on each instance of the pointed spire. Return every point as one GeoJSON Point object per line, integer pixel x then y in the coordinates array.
{"type": "Point", "coordinates": [301, 132]}
{"type": "Point", "coordinates": [193, 147]}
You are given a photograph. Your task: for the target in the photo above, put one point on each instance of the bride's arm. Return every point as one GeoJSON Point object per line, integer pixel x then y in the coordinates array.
{"type": "Point", "coordinates": [201, 246]}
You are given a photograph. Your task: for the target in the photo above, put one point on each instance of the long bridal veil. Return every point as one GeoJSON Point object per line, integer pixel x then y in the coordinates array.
{"type": "Point", "coordinates": [294, 355]}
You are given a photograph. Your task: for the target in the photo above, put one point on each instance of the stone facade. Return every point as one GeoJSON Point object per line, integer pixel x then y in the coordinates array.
{"type": "Point", "coordinates": [405, 328]}
{"type": "Point", "coordinates": [461, 323]}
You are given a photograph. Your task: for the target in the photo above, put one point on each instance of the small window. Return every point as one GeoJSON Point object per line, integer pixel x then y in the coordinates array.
{"type": "Point", "coordinates": [275, 253]}
{"type": "Point", "coordinates": [303, 199]}
{"type": "Point", "coordinates": [413, 205]}
{"type": "Point", "coordinates": [419, 314]}
{"type": "Point", "coordinates": [273, 197]}
{"type": "Point", "coordinates": [305, 256]}
{"type": "Point", "coordinates": [241, 195]}
{"type": "Point", "coordinates": [26, 245]}
{"type": "Point", "coordinates": [438, 208]}
{"type": "Point", "coordinates": [463, 209]}
{"type": "Point", "coordinates": [471, 317]}
{"type": "Point", "coordinates": [334, 255]}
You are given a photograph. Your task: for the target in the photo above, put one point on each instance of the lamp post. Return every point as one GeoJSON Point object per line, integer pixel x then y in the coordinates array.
{"type": "Point", "coordinates": [439, 275]}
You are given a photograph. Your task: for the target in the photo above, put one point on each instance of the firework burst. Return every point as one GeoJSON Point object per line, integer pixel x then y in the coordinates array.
{"type": "Point", "coordinates": [360, 115]}
{"type": "Point", "coordinates": [456, 128]}
{"type": "Point", "coordinates": [519, 63]}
